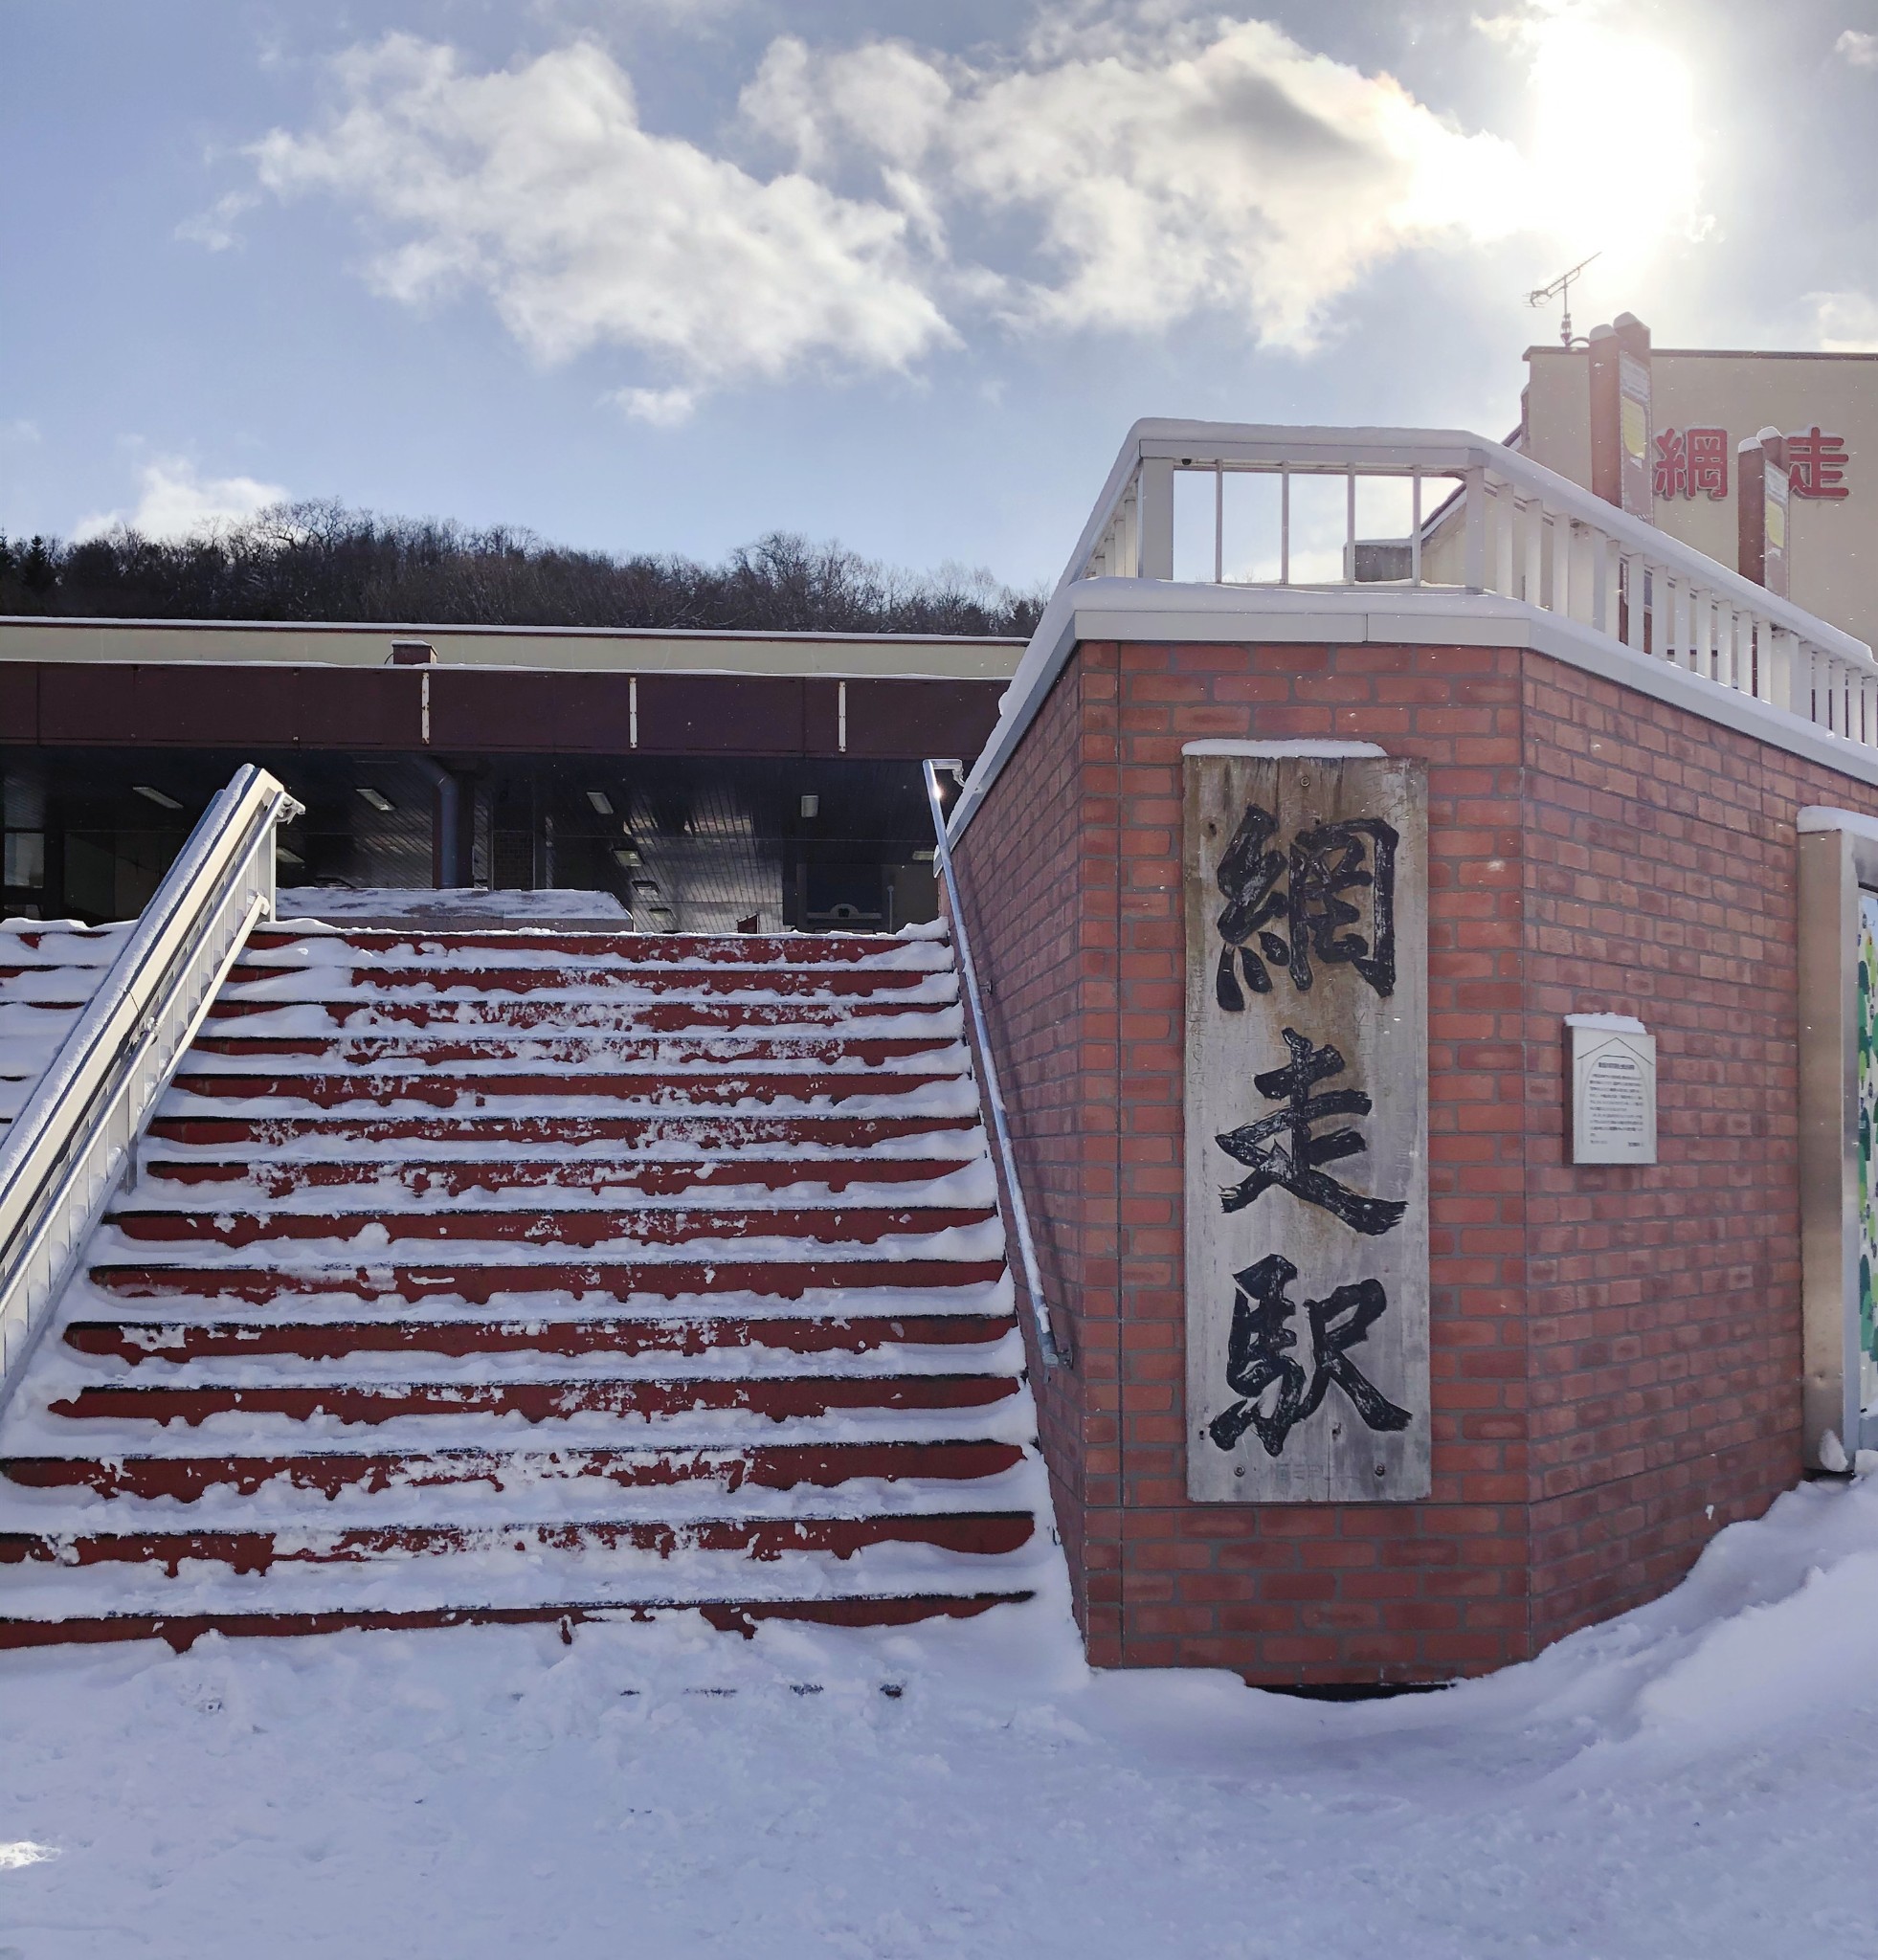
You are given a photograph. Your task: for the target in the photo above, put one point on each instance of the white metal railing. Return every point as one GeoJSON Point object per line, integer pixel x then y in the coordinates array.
{"type": "Point", "coordinates": [73, 1141]}
{"type": "Point", "coordinates": [1479, 518]}
{"type": "Point", "coordinates": [1017, 1213]}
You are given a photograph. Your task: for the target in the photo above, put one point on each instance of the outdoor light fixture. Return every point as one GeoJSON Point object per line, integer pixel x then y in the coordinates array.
{"type": "Point", "coordinates": [602, 803]}
{"type": "Point", "coordinates": [378, 800]}
{"type": "Point", "coordinates": [156, 796]}
{"type": "Point", "coordinates": [811, 806]}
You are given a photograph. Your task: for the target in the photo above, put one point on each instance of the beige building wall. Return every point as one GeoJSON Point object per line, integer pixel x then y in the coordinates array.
{"type": "Point", "coordinates": [1835, 544]}
{"type": "Point", "coordinates": [572, 648]}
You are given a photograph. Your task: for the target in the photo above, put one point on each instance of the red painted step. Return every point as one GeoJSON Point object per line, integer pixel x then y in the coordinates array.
{"type": "Point", "coordinates": [479, 1284]}
{"type": "Point", "coordinates": [586, 1226]}
{"type": "Point", "coordinates": [520, 1015]}
{"type": "Point", "coordinates": [482, 1129]}
{"type": "Point", "coordinates": [978, 1533]}
{"type": "Point", "coordinates": [182, 1629]}
{"type": "Point", "coordinates": [322, 983]}
{"type": "Point", "coordinates": [136, 1342]}
{"type": "Point", "coordinates": [726, 1050]}
{"type": "Point", "coordinates": [450, 1092]}
{"type": "Point", "coordinates": [778, 1397]}
{"type": "Point", "coordinates": [639, 948]}
{"type": "Point", "coordinates": [754, 1466]}
{"type": "Point", "coordinates": [452, 1177]}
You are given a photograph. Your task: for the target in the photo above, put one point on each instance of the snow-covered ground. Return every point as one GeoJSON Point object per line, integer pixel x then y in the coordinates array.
{"type": "Point", "coordinates": [1698, 1780]}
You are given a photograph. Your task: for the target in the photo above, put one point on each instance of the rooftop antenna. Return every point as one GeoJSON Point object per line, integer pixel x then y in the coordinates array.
{"type": "Point", "coordinates": [1560, 289]}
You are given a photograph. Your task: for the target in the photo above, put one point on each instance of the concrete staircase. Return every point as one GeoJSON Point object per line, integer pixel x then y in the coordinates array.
{"type": "Point", "coordinates": [47, 974]}
{"type": "Point", "coordinates": [538, 1276]}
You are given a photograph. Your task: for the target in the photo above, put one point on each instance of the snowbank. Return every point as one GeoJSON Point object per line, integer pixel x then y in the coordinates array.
{"type": "Point", "coordinates": [1699, 1778]}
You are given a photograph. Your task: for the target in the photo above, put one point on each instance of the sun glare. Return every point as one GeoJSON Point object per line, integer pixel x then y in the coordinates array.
{"type": "Point", "coordinates": [1614, 145]}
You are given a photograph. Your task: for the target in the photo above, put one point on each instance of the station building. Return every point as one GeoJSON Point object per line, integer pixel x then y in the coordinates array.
{"type": "Point", "coordinates": [1426, 892]}
{"type": "Point", "coordinates": [703, 779]}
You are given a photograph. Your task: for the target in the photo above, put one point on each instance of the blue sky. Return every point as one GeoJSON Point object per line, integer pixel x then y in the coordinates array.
{"type": "Point", "coordinates": [666, 274]}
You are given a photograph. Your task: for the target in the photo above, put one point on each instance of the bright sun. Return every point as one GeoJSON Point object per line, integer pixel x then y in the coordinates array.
{"type": "Point", "coordinates": [1613, 146]}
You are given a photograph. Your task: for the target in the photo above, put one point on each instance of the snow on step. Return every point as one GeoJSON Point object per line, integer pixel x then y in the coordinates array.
{"type": "Point", "coordinates": [552, 1274]}
{"type": "Point", "coordinates": [48, 976]}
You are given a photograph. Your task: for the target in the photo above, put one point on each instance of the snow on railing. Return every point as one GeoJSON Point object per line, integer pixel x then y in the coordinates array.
{"type": "Point", "coordinates": [73, 1140]}
{"type": "Point", "coordinates": [1227, 503]}
{"type": "Point", "coordinates": [1017, 1211]}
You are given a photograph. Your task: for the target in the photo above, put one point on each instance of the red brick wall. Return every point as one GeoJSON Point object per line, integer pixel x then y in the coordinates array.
{"type": "Point", "coordinates": [1663, 1302]}
{"type": "Point", "coordinates": [1031, 919]}
{"type": "Point", "coordinates": [1614, 1351]}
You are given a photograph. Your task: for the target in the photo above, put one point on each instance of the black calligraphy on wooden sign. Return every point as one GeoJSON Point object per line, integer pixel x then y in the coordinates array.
{"type": "Point", "coordinates": [1282, 1149]}
{"type": "Point", "coordinates": [1286, 909]}
{"type": "Point", "coordinates": [1260, 1357]}
{"type": "Point", "coordinates": [1305, 909]}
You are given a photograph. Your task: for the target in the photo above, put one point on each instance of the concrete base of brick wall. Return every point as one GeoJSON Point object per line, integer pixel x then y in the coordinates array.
{"type": "Point", "coordinates": [1616, 1350]}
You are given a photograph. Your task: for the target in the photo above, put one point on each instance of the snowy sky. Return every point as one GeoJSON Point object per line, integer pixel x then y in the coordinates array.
{"type": "Point", "coordinates": [666, 274]}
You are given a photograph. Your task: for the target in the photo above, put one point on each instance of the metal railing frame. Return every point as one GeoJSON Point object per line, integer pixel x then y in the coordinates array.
{"type": "Point", "coordinates": [1017, 1214]}
{"type": "Point", "coordinates": [76, 1137]}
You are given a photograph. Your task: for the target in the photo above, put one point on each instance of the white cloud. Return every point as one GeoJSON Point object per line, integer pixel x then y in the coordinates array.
{"type": "Point", "coordinates": [179, 503]}
{"type": "Point", "coordinates": [1860, 50]}
{"type": "Point", "coordinates": [664, 408]}
{"type": "Point", "coordinates": [214, 229]}
{"type": "Point", "coordinates": [1120, 173]}
{"type": "Point", "coordinates": [539, 185]}
{"type": "Point", "coordinates": [19, 434]}
{"type": "Point", "coordinates": [1165, 169]}
{"type": "Point", "coordinates": [1843, 322]}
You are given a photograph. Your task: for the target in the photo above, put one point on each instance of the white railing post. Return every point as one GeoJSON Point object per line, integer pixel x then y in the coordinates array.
{"type": "Point", "coordinates": [1157, 517]}
{"type": "Point", "coordinates": [1473, 572]}
{"type": "Point", "coordinates": [1505, 524]}
{"type": "Point", "coordinates": [1780, 671]}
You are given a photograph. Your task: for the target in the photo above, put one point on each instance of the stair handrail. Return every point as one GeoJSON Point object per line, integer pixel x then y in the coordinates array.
{"type": "Point", "coordinates": [74, 1137]}
{"type": "Point", "coordinates": [1017, 1214]}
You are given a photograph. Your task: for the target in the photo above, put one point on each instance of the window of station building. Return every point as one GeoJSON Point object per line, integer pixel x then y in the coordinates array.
{"type": "Point", "coordinates": [23, 873]}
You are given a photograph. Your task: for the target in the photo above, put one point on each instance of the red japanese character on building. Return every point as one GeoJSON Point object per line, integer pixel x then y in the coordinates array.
{"type": "Point", "coordinates": [1671, 463]}
{"type": "Point", "coordinates": [1692, 463]}
{"type": "Point", "coordinates": [1708, 463]}
{"type": "Point", "coordinates": [1816, 464]}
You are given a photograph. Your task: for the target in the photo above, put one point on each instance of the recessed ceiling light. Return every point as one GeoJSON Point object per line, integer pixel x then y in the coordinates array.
{"type": "Point", "coordinates": [811, 806]}
{"type": "Point", "coordinates": [376, 797]}
{"type": "Point", "coordinates": [626, 858]}
{"type": "Point", "coordinates": [602, 803]}
{"type": "Point", "coordinates": [156, 796]}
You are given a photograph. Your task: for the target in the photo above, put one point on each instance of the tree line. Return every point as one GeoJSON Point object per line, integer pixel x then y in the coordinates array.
{"type": "Point", "coordinates": [321, 561]}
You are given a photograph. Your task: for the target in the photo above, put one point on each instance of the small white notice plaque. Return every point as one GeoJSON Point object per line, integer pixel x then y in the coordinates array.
{"type": "Point", "coordinates": [1613, 1089]}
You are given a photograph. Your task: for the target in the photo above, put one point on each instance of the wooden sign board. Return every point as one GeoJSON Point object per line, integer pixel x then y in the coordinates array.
{"type": "Point", "coordinates": [1613, 1090]}
{"type": "Point", "coordinates": [1307, 1127]}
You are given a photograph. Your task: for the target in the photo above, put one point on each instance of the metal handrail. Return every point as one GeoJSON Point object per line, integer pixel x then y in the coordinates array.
{"type": "Point", "coordinates": [73, 1140]}
{"type": "Point", "coordinates": [1017, 1218]}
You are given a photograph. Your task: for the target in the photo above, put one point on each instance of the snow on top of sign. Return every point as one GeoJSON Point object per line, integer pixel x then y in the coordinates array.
{"type": "Point", "coordinates": [1608, 1024]}
{"type": "Point", "coordinates": [1311, 746]}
